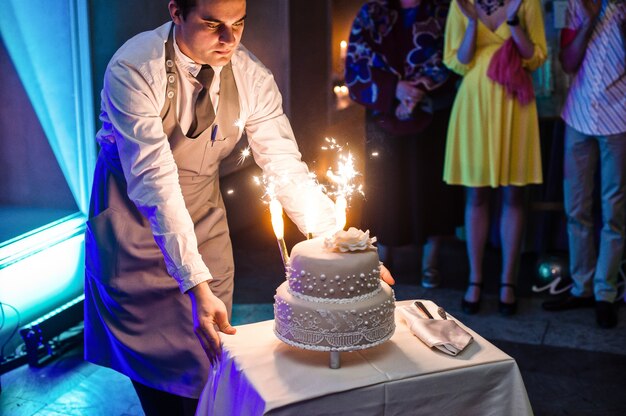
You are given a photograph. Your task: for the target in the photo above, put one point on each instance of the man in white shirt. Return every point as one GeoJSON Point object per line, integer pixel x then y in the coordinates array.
{"type": "Point", "coordinates": [156, 210]}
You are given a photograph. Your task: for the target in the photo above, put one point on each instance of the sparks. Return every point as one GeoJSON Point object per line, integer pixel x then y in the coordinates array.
{"type": "Point", "coordinates": [343, 180]}
{"type": "Point", "coordinates": [270, 184]}
{"type": "Point", "coordinates": [245, 153]}
{"type": "Point", "coordinates": [239, 123]}
{"type": "Point", "coordinates": [344, 177]}
{"type": "Point", "coordinates": [332, 144]}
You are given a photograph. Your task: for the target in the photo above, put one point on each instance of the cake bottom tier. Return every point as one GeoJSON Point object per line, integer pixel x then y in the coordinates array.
{"type": "Point", "coordinates": [326, 326]}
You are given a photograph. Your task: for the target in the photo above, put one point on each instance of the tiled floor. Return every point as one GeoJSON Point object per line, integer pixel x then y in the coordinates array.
{"type": "Point", "coordinates": [569, 366]}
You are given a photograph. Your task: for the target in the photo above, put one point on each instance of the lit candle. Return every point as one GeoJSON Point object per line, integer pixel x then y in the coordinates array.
{"type": "Point", "coordinates": [343, 48]}
{"type": "Point", "coordinates": [276, 211]}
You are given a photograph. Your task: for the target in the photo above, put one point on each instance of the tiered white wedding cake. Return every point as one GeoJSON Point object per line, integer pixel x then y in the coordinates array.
{"type": "Point", "coordinates": [333, 299]}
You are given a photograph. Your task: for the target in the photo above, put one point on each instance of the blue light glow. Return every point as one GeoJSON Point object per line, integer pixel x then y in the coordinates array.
{"type": "Point", "coordinates": [48, 44]}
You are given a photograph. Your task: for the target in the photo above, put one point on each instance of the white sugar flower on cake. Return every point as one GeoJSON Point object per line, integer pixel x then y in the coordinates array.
{"type": "Point", "coordinates": [351, 240]}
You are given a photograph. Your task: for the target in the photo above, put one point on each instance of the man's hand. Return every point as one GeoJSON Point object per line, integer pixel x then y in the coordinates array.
{"type": "Point", "coordinates": [385, 274]}
{"type": "Point", "coordinates": [209, 312]}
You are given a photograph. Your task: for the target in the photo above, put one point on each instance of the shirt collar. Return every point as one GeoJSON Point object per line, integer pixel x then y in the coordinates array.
{"type": "Point", "coordinates": [187, 63]}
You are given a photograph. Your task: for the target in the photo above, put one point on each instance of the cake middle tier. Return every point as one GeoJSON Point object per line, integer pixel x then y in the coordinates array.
{"type": "Point", "coordinates": [334, 326]}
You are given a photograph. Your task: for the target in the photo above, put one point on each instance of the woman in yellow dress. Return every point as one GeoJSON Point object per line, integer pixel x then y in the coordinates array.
{"type": "Point", "coordinates": [493, 137]}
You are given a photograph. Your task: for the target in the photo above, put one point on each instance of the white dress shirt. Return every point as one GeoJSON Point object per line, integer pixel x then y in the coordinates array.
{"type": "Point", "coordinates": [132, 98]}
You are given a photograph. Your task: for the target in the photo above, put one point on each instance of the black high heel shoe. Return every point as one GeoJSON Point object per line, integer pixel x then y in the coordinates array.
{"type": "Point", "coordinates": [508, 309]}
{"type": "Point", "coordinates": [472, 308]}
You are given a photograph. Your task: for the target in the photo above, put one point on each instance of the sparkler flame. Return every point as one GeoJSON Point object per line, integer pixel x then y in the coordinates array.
{"type": "Point", "coordinates": [343, 180]}
{"type": "Point", "coordinates": [312, 188]}
{"type": "Point", "coordinates": [343, 187]}
{"type": "Point", "coordinates": [276, 211]}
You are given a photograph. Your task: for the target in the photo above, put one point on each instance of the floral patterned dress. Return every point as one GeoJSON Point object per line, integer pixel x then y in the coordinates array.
{"type": "Point", "coordinates": [406, 199]}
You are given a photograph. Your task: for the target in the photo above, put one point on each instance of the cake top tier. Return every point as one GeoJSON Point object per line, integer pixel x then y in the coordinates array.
{"type": "Point", "coordinates": [317, 271]}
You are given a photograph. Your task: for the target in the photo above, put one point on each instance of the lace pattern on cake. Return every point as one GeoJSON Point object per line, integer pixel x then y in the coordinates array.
{"type": "Point", "coordinates": [325, 330]}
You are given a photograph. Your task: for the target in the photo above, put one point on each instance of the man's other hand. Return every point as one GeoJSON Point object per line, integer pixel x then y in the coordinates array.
{"type": "Point", "coordinates": [209, 316]}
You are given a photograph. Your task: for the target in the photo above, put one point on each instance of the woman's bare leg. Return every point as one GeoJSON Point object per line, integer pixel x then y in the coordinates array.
{"type": "Point", "coordinates": [476, 228]}
{"type": "Point", "coordinates": [511, 229]}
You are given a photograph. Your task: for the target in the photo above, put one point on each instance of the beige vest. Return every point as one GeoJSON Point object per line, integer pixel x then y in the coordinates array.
{"type": "Point", "coordinates": [136, 320]}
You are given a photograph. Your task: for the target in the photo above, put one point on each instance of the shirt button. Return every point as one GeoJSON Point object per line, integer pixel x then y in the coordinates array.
{"type": "Point", "coordinates": [171, 79]}
{"type": "Point", "coordinates": [169, 63]}
{"type": "Point", "coordinates": [170, 94]}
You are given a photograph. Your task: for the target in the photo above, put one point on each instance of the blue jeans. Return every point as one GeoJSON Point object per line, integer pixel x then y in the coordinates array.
{"type": "Point", "coordinates": [581, 160]}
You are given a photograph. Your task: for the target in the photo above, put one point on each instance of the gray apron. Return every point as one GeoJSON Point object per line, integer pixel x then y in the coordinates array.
{"type": "Point", "coordinates": [136, 319]}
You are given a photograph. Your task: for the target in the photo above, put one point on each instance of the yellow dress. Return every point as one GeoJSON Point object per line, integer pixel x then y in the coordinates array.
{"type": "Point", "coordinates": [493, 140]}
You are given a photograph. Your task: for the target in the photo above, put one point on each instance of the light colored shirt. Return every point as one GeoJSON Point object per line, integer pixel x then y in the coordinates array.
{"type": "Point", "coordinates": [596, 103]}
{"type": "Point", "coordinates": [132, 98]}
{"type": "Point", "coordinates": [193, 87]}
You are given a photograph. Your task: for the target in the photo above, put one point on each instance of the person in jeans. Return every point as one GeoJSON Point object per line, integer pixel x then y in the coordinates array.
{"type": "Point", "coordinates": [593, 44]}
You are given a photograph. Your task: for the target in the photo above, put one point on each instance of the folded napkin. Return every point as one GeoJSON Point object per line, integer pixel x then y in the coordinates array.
{"type": "Point", "coordinates": [445, 335]}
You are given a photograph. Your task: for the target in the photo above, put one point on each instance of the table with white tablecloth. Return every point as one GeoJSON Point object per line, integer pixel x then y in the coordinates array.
{"type": "Point", "coordinates": [258, 374]}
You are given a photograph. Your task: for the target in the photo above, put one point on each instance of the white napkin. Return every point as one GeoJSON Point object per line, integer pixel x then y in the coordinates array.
{"type": "Point", "coordinates": [445, 335]}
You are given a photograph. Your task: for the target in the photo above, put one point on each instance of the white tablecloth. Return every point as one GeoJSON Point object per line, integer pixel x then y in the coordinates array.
{"type": "Point", "coordinates": [258, 374]}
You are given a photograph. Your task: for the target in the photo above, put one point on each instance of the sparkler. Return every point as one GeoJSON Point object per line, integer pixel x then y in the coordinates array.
{"type": "Point", "coordinates": [343, 180]}
{"type": "Point", "coordinates": [276, 212]}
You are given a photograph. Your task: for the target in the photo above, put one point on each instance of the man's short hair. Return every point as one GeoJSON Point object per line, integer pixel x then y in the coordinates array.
{"type": "Point", "coordinates": [185, 6]}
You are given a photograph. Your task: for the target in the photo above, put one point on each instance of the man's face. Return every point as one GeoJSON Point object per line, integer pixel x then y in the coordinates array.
{"type": "Point", "coordinates": [211, 31]}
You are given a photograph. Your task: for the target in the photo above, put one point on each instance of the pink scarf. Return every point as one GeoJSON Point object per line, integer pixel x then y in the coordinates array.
{"type": "Point", "coordinates": [506, 69]}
